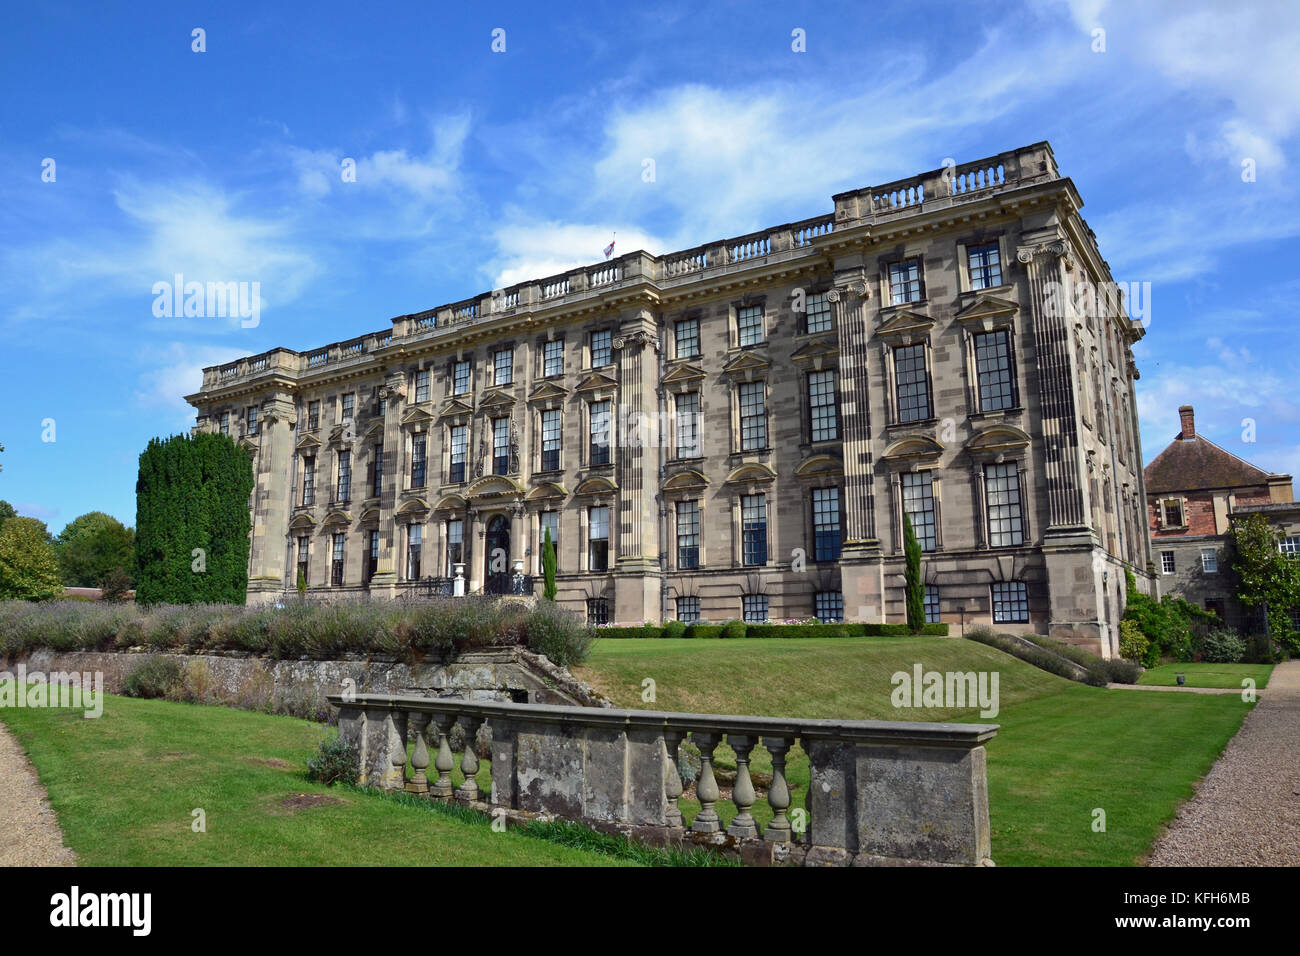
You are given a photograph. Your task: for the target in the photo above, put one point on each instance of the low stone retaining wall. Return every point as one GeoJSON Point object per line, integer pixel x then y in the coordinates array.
{"type": "Point", "coordinates": [881, 793]}
{"type": "Point", "coordinates": [500, 673]}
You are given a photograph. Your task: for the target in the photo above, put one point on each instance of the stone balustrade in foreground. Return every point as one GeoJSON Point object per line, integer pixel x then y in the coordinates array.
{"type": "Point", "coordinates": [881, 792]}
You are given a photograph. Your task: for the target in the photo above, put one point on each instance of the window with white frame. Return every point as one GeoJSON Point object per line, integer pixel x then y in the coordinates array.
{"type": "Point", "coordinates": [422, 385]}
{"type": "Point", "coordinates": [503, 367]}
{"type": "Point", "coordinates": [419, 461]}
{"type": "Point", "coordinates": [500, 446]}
{"type": "Point", "coordinates": [1166, 562]}
{"type": "Point", "coordinates": [251, 418]}
{"type": "Point", "coordinates": [460, 373]}
{"type": "Point", "coordinates": [553, 357]}
{"type": "Point", "coordinates": [372, 555]}
{"type": "Point", "coordinates": [459, 444]}
{"type": "Point", "coordinates": [826, 524]}
{"type": "Point", "coordinates": [309, 481]}
{"type": "Point", "coordinates": [823, 415]}
{"type": "Point", "coordinates": [918, 505]}
{"type": "Point", "coordinates": [349, 406]}
{"type": "Point", "coordinates": [911, 383]}
{"type": "Point", "coordinates": [1002, 498]}
{"type": "Point", "coordinates": [598, 538]}
{"type": "Point", "coordinates": [225, 423]}
{"type": "Point", "coordinates": [984, 265]}
{"type": "Point", "coordinates": [1290, 546]}
{"type": "Point", "coordinates": [1171, 511]}
{"type": "Point", "coordinates": [336, 565]}
{"type": "Point", "coordinates": [686, 338]}
{"type": "Point", "coordinates": [376, 470]}
{"type": "Point", "coordinates": [993, 370]}
{"type": "Point", "coordinates": [602, 350]}
{"type": "Point", "coordinates": [550, 439]}
{"type": "Point", "coordinates": [688, 609]}
{"type": "Point", "coordinates": [304, 550]}
{"type": "Point", "coordinates": [828, 606]}
{"type": "Point", "coordinates": [905, 281]}
{"type": "Point", "coordinates": [931, 604]}
{"type": "Point", "coordinates": [754, 608]}
{"type": "Point", "coordinates": [597, 611]}
{"type": "Point", "coordinates": [344, 487]}
{"type": "Point", "coordinates": [1010, 602]}
{"type": "Point", "coordinates": [313, 415]}
{"type": "Point", "coordinates": [749, 325]}
{"type": "Point", "coordinates": [1209, 561]}
{"type": "Point", "coordinates": [455, 545]}
{"type": "Point", "coordinates": [599, 438]}
{"type": "Point", "coordinates": [817, 315]}
{"type": "Point", "coordinates": [414, 547]}
{"type": "Point", "coordinates": [687, 422]}
{"type": "Point", "coordinates": [753, 416]}
{"type": "Point", "coordinates": [688, 535]}
{"type": "Point", "coordinates": [753, 527]}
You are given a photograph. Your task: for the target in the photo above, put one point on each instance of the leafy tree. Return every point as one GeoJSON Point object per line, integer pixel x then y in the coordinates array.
{"type": "Point", "coordinates": [1266, 577]}
{"type": "Point", "coordinates": [116, 584]}
{"type": "Point", "coordinates": [28, 568]}
{"type": "Point", "coordinates": [192, 520]}
{"type": "Point", "coordinates": [6, 512]}
{"type": "Point", "coordinates": [915, 583]}
{"type": "Point", "coordinates": [91, 547]}
{"type": "Point", "coordinates": [548, 567]}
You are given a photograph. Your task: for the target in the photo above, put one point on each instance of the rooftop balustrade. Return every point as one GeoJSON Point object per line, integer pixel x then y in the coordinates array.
{"type": "Point", "coordinates": [950, 184]}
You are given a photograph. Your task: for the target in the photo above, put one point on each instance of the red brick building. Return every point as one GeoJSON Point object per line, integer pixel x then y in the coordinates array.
{"type": "Point", "coordinates": [1194, 490]}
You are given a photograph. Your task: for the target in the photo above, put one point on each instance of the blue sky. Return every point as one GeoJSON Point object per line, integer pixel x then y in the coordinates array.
{"type": "Point", "coordinates": [476, 169]}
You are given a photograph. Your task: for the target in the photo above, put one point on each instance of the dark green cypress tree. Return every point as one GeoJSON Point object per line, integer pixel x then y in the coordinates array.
{"type": "Point", "coordinates": [193, 493]}
{"type": "Point", "coordinates": [915, 584]}
{"type": "Point", "coordinates": [548, 567]}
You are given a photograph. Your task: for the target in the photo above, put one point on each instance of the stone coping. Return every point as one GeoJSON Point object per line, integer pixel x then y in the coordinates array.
{"type": "Point", "coordinates": [883, 732]}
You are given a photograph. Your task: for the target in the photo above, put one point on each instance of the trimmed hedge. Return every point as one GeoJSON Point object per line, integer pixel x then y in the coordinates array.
{"type": "Point", "coordinates": [735, 629]}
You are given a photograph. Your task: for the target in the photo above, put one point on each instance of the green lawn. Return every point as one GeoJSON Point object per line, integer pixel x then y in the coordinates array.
{"type": "Point", "coordinates": [123, 787]}
{"type": "Point", "coordinates": [1064, 749]}
{"type": "Point", "coordinates": [1208, 675]}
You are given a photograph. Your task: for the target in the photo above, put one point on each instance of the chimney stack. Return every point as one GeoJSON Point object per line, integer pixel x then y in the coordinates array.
{"type": "Point", "coordinates": [1189, 422]}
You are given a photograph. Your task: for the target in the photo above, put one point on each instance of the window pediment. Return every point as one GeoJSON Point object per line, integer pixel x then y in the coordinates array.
{"type": "Point", "coordinates": [913, 448]}
{"type": "Point", "coordinates": [747, 366]}
{"type": "Point", "coordinates": [336, 518]}
{"type": "Point", "coordinates": [494, 486]}
{"type": "Point", "coordinates": [690, 480]}
{"type": "Point", "coordinates": [450, 503]}
{"type": "Point", "coordinates": [547, 491]}
{"type": "Point", "coordinates": [597, 382]}
{"type": "Point", "coordinates": [905, 327]}
{"type": "Point", "coordinates": [375, 430]}
{"type": "Point", "coordinates": [816, 354]}
{"type": "Point", "coordinates": [548, 393]}
{"type": "Point", "coordinates": [750, 473]}
{"type": "Point", "coordinates": [416, 419]}
{"type": "Point", "coordinates": [596, 485]}
{"type": "Point", "coordinates": [307, 443]}
{"type": "Point", "coordinates": [455, 408]}
{"type": "Point", "coordinates": [819, 466]}
{"type": "Point", "coordinates": [683, 373]}
{"type": "Point", "coordinates": [996, 440]}
{"type": "Point", "coordinates": [413, 506]}
{"type": "Point", "coordinates": [496, 398]}
{"type": "Point", "coordinates": [987, 312]}
{"type": "Point", "coordinates": [303, 522]}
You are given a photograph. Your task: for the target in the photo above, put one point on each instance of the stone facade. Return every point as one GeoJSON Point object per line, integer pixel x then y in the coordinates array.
{"type": "Point", "coordinates": [1194, 491]}
{"type": "Point", "coordinates": [775, 401]}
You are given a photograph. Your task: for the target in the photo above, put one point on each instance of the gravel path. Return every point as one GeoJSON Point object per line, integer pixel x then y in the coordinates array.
{"type": "Point", "coordinates": [29, 833]}
{"type": "Point", "coordinates": [1247, 810]}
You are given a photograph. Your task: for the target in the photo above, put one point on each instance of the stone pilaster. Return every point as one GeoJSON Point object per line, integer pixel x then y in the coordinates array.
{"type": "Point", "coordinates": [272, 500]}
{"type": "Point", "coordinates": [861, 567]}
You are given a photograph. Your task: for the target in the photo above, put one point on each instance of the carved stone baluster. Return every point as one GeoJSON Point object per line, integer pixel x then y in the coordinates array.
{"type": "Point", "coordinates": [742, 792]}
{"type": "Point", "coordinates": [469, 792]}
{"type": "Point", "coordinates": [419, 783]}
{"type": "Point", "coordinates": [395, 724]}
{"type": "Point", "coordinates": [442, 788]}
{"type": "Point", "coordinates": [706, 787]}
{"type": "Point", "coordinates": [672, 777]}
{"type": "Point", "coordinates": [778, 795]}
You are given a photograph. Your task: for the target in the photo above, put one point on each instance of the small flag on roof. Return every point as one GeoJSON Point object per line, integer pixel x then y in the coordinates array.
{"type": "Point", "coordinates": [609, 249]}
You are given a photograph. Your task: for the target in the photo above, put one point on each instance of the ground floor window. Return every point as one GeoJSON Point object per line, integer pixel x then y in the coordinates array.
{"type": "Point", "coordinates": [1167, 562]}
{"type": "Point", "coordinates": [828, 606]}
{"type": "Point", "coordinates": [688, 609]}
{"type": "Point", "coordinates": [597, 611]}
{"type": "Point", "coordinates": [755, 608]}
{"type": "Point", "coordinates": [1010, 603]}
{"type": "Point", "coordinates": [931, 604]}
{"type": "Point", "coordinates": [336, 571]}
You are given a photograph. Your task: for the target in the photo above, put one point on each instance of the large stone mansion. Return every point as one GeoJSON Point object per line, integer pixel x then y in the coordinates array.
{"type": "Point", "coordinates": [736, 430]}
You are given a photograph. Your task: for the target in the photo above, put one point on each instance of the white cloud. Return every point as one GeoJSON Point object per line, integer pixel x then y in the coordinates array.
{"type": "Point", "coordinates": [173, 371]}
{"type": "Point", "coordinates": [529, 249]}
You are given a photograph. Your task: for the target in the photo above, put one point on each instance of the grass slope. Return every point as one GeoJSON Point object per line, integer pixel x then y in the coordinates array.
{"type": "Point", "coordinates": [124, 785]}
{"type": "Point", "coordinates": [1063, 751]}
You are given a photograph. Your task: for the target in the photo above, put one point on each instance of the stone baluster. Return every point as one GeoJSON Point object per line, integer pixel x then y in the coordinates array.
{"type": "Point", "coordinates": [419, 782]}
{"type": "Point", "coordinates": [469, 791]}
{"type": "Point", "coordinates": [778, 794]}
{"type": "Point", "coordinates": [742, 792]}
{"type": "Point", "coordinates": [706, 787]}
{"type": "Point", "coordinates": [672, 776]}
{"type": "Point", "coordinates": [395, 724]}
{"type": "Point", "coordinates": [442, 788]}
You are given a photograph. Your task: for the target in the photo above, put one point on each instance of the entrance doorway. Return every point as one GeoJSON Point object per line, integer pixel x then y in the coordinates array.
{"type": "Point", "coordinates": [496, 557]}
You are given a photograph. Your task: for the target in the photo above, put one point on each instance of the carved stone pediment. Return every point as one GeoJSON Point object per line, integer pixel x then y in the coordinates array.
{"type": "Point", "coordinates": [746, 366]}
{"type": "Point", "coordinates": [595, 485]}
{"type": "Point", "coordinates": [913, 448]}
{"type": "Point", "coordinates": [751, 473]}
{"type": "Point", "coordinates": [455, 408]}
{"type": "Point", "coordinates": [547, 491]}
{"type": "Point", "coordinates": [307, 443]}
{"type": "Point", "coordinates": [987, 312]}
{"type": "Point", "coordinates": [996, 440]}
{"type": "Point", "coordinates": [689, 480]}
{"type": "Point", "coordinates": [818, 466]}
{"type": "Point", "coordinates": [549, 394]}
{"type": "Point", "coordinates": [597, 382]}
{"type": "Point", "coordinates": [905, 327]}
{"type": "Point", "coordinates": [680, 374]}
{"type": "Point", "coordinates": [497, 398]}
{"type": "Point", "coordinates": [817, 353]}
